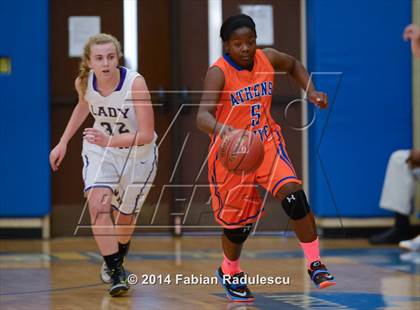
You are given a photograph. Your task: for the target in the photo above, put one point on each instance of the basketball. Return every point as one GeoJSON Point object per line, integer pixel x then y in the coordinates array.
{"type": "Point", "coordinates": [241, 151]}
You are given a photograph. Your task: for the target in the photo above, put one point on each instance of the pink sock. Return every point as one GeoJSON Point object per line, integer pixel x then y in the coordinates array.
{"type": "Point", "coordinates": [230, 267]}
{"type": "Point", "coordinates": [311, 251]}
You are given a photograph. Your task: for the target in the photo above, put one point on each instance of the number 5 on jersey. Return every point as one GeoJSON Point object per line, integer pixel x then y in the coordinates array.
{"type": "Point", "coordinates": [255, 114]}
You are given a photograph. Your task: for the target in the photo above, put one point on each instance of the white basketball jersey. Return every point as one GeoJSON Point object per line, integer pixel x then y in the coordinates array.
{"type": "Point", "coordinates": [114, 114]}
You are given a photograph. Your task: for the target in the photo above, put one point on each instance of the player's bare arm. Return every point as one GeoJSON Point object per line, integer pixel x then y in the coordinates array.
{"type": "Point", "coordinates": [145, 122]}
{"type": "Point", "coordinates": [80, 112]}
{"type": "Point", "coordinates": [213, 85]}
{"type": "Point", "coordinates": [286, 63]}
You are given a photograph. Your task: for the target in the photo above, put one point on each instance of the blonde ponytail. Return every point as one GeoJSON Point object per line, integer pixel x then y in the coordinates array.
{"type": "Point", "coordinates": [83, 76]}
{"type": "Point", "coordinates": [101, 38]}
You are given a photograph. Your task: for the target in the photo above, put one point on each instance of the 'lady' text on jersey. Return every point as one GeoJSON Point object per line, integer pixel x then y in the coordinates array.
{"type": "Point", "coordinates": [109, 111]}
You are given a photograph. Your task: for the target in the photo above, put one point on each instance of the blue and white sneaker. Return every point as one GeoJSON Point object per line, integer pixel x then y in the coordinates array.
{"type": "Point", "coordinates": [235, 286]}
{"type": "Point", "coordinates": [320, 275]}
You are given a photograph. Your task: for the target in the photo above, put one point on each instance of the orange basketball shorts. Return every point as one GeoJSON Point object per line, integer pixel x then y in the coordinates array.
{"type": "Point", "coordinates": [235, 199]}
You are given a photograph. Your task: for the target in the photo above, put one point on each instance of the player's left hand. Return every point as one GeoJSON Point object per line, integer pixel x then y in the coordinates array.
{"type": "Point", "coordinates": [95, 136]}
{"type": "Point", "coordinates": [318, 98]}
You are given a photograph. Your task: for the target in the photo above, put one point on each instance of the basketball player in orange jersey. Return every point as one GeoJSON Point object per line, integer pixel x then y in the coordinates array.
{"type": "Point", "coordinates": [237, 95]}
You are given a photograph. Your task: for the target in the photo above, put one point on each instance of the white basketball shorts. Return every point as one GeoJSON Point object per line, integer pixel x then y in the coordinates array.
{"type": "Point", "coordinates": [130, 179]}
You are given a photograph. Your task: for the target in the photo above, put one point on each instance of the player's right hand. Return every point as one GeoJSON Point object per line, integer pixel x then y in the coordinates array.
{"type": "Point", "coordinates": [57, 155]}
{"type": "Point", "coordinates": [226, 129]}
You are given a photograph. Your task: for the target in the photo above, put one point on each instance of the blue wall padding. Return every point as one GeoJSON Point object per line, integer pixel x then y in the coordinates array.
{"type": "Point", "coordinates": [24, 101]}
{"type": "Point", "coordinates": [370, 114]}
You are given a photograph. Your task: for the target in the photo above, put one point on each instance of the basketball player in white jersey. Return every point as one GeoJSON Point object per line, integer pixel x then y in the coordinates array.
{"type": "Point", "coordinates": [119, 152]}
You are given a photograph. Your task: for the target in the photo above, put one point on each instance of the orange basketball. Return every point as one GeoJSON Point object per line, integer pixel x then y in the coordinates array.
{"type": "Point", "coordinates": [241, 151]}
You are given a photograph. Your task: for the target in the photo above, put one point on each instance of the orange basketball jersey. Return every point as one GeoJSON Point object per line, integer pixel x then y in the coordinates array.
{"type": "Point", "coordinates": [245, 101]}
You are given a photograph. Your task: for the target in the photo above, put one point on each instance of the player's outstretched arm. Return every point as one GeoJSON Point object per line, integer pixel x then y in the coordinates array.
{"type": "Point", "coordinates": [80, 112]}
{"type": "Point", "coordinates": [412, 32]}
{"type": "Point", "coordinates": [213, 85]}
{"type": "Point", "coordinates": [286, 63]}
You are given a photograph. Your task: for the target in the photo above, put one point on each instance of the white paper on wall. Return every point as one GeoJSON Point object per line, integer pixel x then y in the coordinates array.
{"type": "Point", "coordinates": [80, 29]}
{"type": "Point", "coordinates": [262, 14]}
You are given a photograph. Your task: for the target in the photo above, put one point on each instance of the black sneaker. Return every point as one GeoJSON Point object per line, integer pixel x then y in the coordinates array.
{"type": "Point", "coordinates": [119, 283]}
{"type": "Point", "coordinates": [235, 286]}
{"type": "Point", "coordinates": [105, 273]}
{"type": "Point", "coordinates": [320, 275]}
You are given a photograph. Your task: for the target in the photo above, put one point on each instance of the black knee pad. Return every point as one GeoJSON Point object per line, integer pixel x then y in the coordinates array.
{"type": "Point", "coordinates": [238, 235]}
{"type": "Point", "coordinates": [296, 205]}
